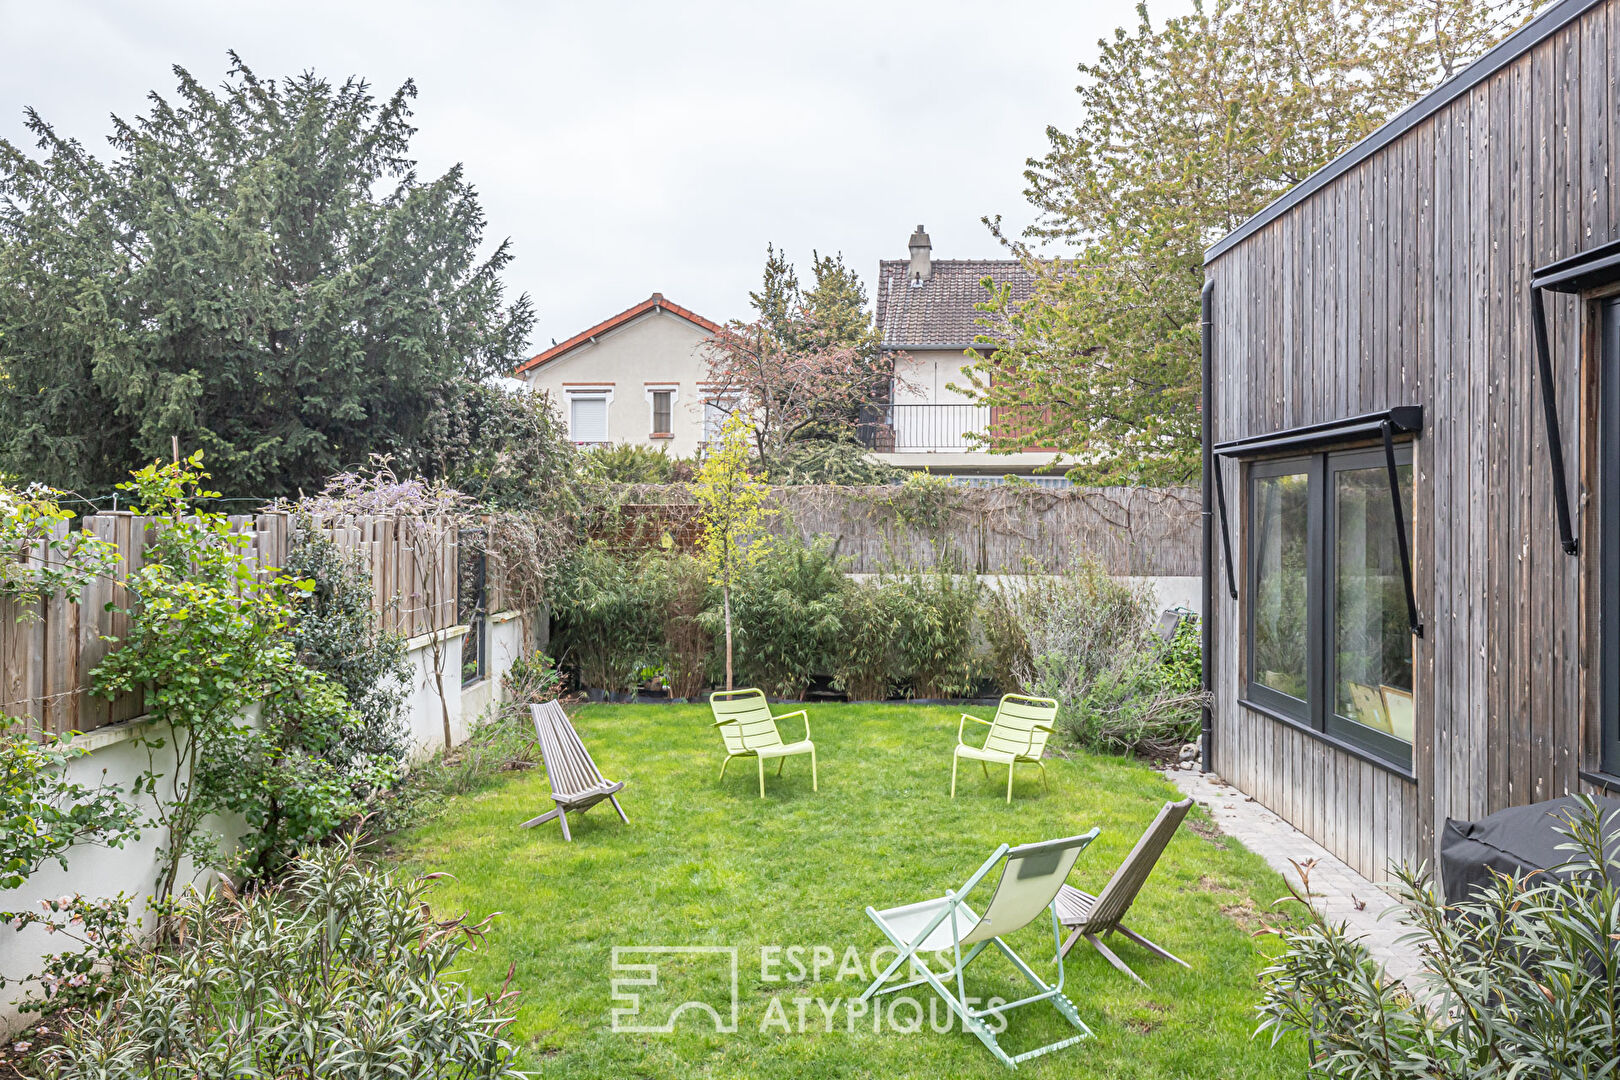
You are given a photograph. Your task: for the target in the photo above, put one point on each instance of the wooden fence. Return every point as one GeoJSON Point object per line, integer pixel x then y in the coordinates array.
{"type": "Point", "coordinates": [47, 654]}
{"type": "Point", "coordinates": [1149, 532]}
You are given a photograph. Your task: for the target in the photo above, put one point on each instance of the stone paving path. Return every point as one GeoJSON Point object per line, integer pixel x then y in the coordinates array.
{"type": "Point", "coordinates": [1335, 888]}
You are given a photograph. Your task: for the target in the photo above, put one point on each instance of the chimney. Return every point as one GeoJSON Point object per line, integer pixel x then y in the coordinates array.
{"type": "Point", "coordinates": [922, 264]}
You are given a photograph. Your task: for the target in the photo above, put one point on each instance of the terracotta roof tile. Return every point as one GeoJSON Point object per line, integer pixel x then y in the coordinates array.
{"type": "Point", "coordinates": [940, 313]}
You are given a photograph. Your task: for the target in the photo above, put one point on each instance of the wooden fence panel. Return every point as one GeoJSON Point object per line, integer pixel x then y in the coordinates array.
{"type": "Point", "coordinates": [47, 655]}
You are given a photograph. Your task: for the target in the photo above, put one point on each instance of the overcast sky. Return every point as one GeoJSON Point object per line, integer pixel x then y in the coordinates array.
{"type": "Point", "coordinates": [627, 148]}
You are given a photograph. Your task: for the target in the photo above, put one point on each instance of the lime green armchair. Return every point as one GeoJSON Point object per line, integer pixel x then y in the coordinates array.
{"type": "Point", "coordinates": [749, 730]}
{"type": "Point", "coordinates": [1017, 736]}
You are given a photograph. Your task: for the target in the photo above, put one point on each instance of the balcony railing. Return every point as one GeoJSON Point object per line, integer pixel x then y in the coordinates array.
{"type": "Point", "coordinates": [923, 429]}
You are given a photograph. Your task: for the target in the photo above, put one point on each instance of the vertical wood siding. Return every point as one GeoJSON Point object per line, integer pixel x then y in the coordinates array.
{"type": "Point", "coordinates": [1405, 280]}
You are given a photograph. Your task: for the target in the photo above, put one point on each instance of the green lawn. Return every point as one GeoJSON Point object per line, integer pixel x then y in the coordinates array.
{"type": "Point", "coordinates": [708, 863]}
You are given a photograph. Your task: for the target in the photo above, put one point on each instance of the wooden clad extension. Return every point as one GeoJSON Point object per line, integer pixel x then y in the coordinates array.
{"type": "Point", "coordinates": [1400, 275]}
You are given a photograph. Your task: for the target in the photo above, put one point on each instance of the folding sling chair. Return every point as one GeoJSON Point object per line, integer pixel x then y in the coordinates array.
{"type": "Point", "coordinates": [1031, 876]}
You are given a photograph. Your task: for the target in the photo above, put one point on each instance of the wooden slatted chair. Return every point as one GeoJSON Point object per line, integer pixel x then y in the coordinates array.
{"type": "Point", "coordinates": [1017, 736]}
{"type": "Point", "coordinates": [576, 782]}
{"type": "Point", "coordinates": [745, 722]}
{"type": "Point", "coordinates": [1092, 917]}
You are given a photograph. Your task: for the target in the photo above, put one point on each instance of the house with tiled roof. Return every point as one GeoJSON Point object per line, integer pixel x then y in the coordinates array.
{"type": "Point", "coordinates": [636, 377]}
{"type": "Point", "coordinates": [926, 323]}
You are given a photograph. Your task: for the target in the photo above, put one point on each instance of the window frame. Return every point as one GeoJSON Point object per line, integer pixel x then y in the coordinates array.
{"type": "Point", "coordinates": [653, 390]}
{"type": "Point", "coordinates": [1608, 344]}
{"type": "Point", "coordinates": [725, 404]}
{"type": "Point", "coordinates": [1321, 467]}
{"type": "Point", "coordinates": [604, 394]}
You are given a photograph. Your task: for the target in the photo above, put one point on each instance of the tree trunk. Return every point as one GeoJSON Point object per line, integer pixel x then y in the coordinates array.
{"type": "Point", "coordinates": [728, 636]}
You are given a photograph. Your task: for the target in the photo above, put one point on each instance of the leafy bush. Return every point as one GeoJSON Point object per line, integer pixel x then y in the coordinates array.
{"type": "Point", "coordinates": [335, 631]}
{"type": "Point", "coordinates": [1525, 977]}
{"type": "Point", "coordinates": [865, 666]}
{"type": "Point", "coordinates": [632, 463]}
{"type": "Point", "coordinates": [207, 639]}
{"type": "Point", "coordinates": [827, 461]}
{"type": "Point", "coordinates": [530, 680]}
{"type": "Point", "coordinates": [787, 612]}
{"type": "Point", "coordinates": [688, 642]}
{"type": "Point", "coordinates": [936, 640]}
{"type": "Point", "coordinates": [340, 971]}
{"type": "Point", "coordinates": [608, 615]}
{"type": "Point", "coordinates": [1084, 639]}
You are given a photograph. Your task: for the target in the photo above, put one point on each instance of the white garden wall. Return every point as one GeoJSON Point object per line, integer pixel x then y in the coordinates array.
{"type": "Point", "coordinates": [104, 872]}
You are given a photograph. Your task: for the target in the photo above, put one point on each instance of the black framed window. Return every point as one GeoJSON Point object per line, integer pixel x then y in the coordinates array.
{"type": "Point", "coordinates": [1328, 633]}
{"type": "Point", "coordinates": [1609, 539]}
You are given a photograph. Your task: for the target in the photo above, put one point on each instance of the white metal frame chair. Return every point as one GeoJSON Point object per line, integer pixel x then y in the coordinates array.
{"type": "Point", "coordinates": [1031, 876]}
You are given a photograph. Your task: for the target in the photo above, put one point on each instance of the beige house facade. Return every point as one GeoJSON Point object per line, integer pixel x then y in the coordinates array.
{"type": "Point", "coordinates": [638, 377]}
{"type": "Point", "coordinates": [927, 322]}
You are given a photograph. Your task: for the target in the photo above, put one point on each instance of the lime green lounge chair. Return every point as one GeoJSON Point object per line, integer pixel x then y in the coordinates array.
{"type": "Point", "coordinates": [1031, 876]}
{"type": "Point", "coordinates": [1017, 737]}
{"type": "Point", "coordinates": [746, 723]}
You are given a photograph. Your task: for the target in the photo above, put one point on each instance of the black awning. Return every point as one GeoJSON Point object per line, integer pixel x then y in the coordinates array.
{"type": "Point", "coordinates": [1401, 420]}
{"type": "Point", "coordinates": [1576, 274]}
{"type": "Point", "coordinates": [1586, 270]}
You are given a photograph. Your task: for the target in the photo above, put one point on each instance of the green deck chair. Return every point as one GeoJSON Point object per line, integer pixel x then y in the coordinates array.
{"type": "Point", "coordinates": [1031, 876]}
{"type": "Point", "coordinates": [1017, 736]}
{"type": "Point", "coordinates": [746, 723]}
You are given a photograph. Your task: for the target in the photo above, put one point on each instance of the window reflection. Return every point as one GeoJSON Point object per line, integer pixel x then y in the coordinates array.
{"type": "Point", "coordinates": [1372, 643]}
{"type": "Point", "coordinates": [1281, 535]}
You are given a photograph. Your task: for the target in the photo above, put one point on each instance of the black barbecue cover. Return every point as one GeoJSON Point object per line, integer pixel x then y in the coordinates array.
{"type": "Point", "coordinates": [1514, 841]}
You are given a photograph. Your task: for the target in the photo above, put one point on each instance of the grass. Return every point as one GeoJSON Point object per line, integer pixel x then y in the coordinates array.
{"type": "Point", "coordinates": [707, 862]}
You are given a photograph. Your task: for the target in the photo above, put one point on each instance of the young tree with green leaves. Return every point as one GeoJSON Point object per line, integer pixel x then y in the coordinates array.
{"type": "Point", "coordinates": [1188, 128]}
{"type": "Point", "coordinates": [733, 516]}
{"type": "Point", "coordinates": [257, 269]}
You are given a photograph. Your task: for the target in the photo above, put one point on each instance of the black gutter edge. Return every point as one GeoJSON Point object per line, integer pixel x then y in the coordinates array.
{"type": "Point", "coordinates": [981, 345]}
{"type": "Point", "coordinates": [1206, 322]}
{"type": "Point", "coordinates": [1509, 49]}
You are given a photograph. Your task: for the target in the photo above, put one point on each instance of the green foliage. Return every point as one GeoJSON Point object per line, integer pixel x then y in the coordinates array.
{"type": "Point", "coordinates": [632, 463]}
{"type": "Point", "coordinates": [44, 812]}
{"type": "Point", "coordinates": [1526, 973]}
{"type": "Point", "coordinates": [733, 517]}
{"type": "Point", "coordinates": [829, 461]}
{"type": "Point", "coordinates": [1085, 640]}
{"type": "Point", "coordinates": [101, 950]}
{"type": "Point", "coordinates": [865, 664]}
{"type": "Point", "coordinates": [687, 641]}
{"type": "Point", "coordinates": [1187, 129]}
{"type": "Point", "coordinates": [788, 611]}
{"type": "Point", "coordinates": [341, 970]}
{"type": "Point", "coordinates": [505, 450]}
{"type": "Point", "coordinates": [936, 645]}
{"type": "Point", "coordinates": [207, 640]}
{"type": "Point", "coordinates": [531, 680]}
{"type": "Point", "coordinates": [608, 615]}
{"type": "Point", "coordinates": [37, 558]}
{"type": "Point", "coordinates": [1183, 659]}
{"type": "Point", "coordinates": [335, 631]}
{"type": "Point", "coordinates": [257, 269]}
